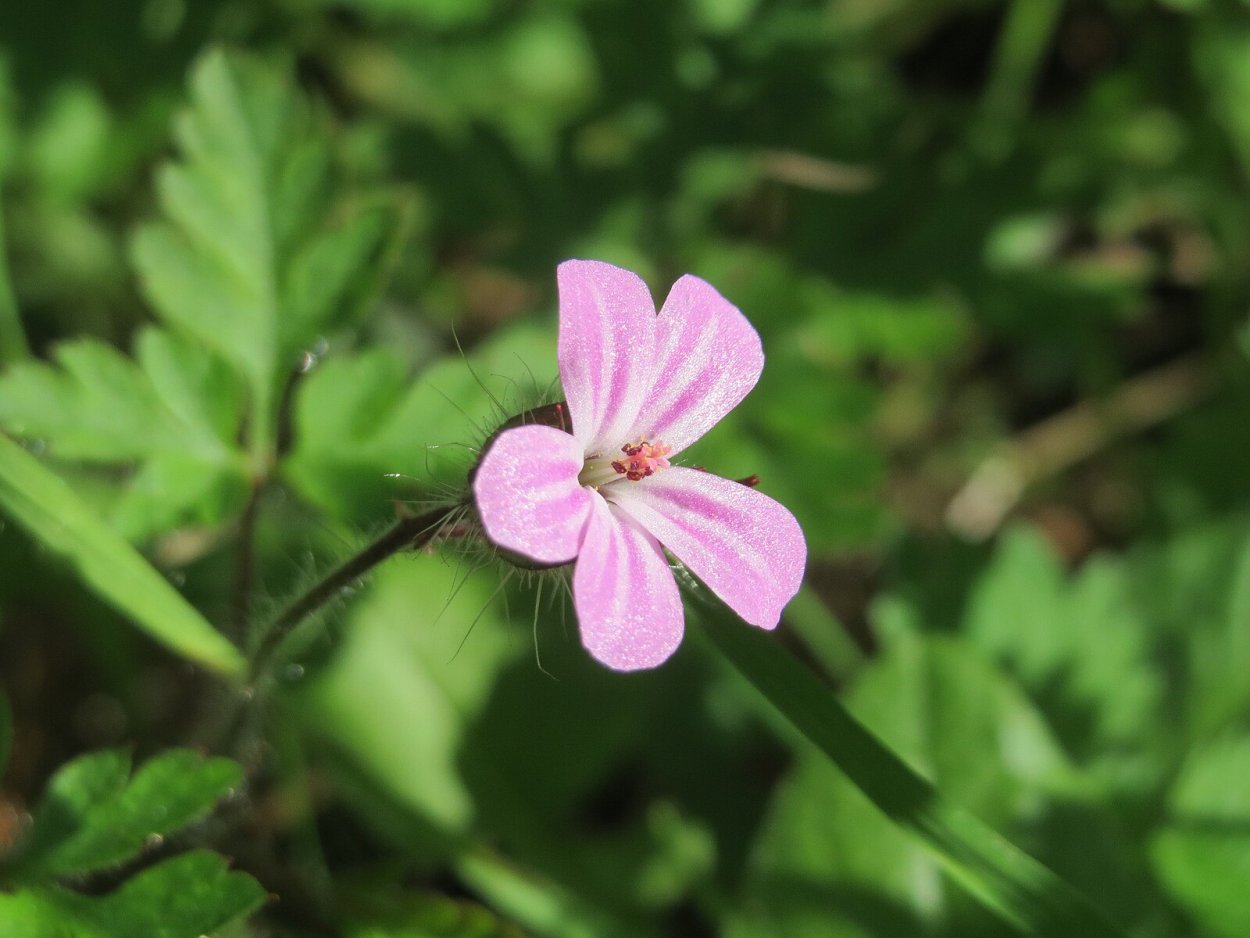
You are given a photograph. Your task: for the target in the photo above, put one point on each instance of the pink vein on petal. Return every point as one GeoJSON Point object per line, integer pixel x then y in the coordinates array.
{"type": "Point", "coordinates": [528, 496]}
{"type": "Point", "coordinates": [627, 601]}
{"type": "Point", "coordinates": [746, 547]}
{"type": "Point", "coordinates": [708, 357]}
{"type": "Point", "coordinates": [606, 349]}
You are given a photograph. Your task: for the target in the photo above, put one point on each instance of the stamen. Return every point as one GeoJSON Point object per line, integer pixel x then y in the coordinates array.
{"type": "Point", "coordinates": [642, 459]}
{"type": "Point", "coordinates": [638, 461]}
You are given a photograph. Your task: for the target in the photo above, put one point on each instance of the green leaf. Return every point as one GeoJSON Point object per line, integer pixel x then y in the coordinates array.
{"type": "Point", "coordinates": [58, 519]}
{"type": "Point", "coordinates": [967, 728]}
{"type": "Point", "coordinates": [185, 897]}
{"type": "Point", "coordinates": [70, 797]}
{"type": "Point", "coordinates": [251, 259]}
{"type": "Point", "coordinates": [1202, 854]}
{"type": "Point", "coordinates": [1008, 882]}
{"type": "Point", "coordinates": [359, 418]}
{"type": "Point", "coordinates": [385, 909]}
{"type": "Point", "coordinates": [403, 654]}
{"type": "Point", "coordinates": [541, 905]}
{"type": "Point", "coordinates": [95, 407]}
{"type": "Point", "coordinates": [1078, 646]}
{"type": "Point", "coordinates": [176, 412]}
{"type": "Point", "coordinates": [95, 815]}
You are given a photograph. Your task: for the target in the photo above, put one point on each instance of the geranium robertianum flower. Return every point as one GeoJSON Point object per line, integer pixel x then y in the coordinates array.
{"type": "Point", "coordinates": [640, 388]}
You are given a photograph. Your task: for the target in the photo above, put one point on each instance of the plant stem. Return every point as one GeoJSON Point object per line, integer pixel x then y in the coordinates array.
{"type": "Point", "coordinates": [1006, 880]}
{"type": "Point", "coordinates": [1027, 32]}
{"type": "Point", "coordinates": [408, 532]}
{"type": "Point", "coordinates": [244, 565]}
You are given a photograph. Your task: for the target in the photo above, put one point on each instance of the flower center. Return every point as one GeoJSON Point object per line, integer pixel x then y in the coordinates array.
{"type": "Point", "coordinates": [638, 460]}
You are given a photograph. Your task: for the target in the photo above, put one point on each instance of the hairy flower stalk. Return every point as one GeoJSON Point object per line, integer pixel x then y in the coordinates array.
{"type": "Point", "coordinates": [593, 481]}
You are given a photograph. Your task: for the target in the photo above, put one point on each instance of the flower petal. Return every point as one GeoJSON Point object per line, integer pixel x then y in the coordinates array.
{"type": "Point", "coordinates": [707, 358]}
{"type": "Point", "coordinates": [627, 601]}
{"type": "Point", "coordinates": [528, 496]}
{"type": "Point", "coordinates": [746, 547]}
{"type": "Point", "coordinates": [606, 350]}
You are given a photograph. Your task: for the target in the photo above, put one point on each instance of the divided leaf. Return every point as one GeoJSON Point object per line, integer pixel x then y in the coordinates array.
{"type": "Point", "coordinates": [187, 896]}
{"type": "Point", "coordinates": [253, 260]}
{"type": "Point", "coordinates": [175, 411]}
{"type": "Point", "coordinates": [96, 815]}
{"type": "Point", "coordinates": [1077, 646]}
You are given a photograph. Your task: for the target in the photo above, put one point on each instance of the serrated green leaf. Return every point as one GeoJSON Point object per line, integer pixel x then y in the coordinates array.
{"type": "Point", "coordinates": [71, 795]}
{"type": "Point", "coordinates": [250, 260]}
{"type": "Point", "coordinates": [330, 271]}
{"type": "Point", "coordinates": [96, 406]}
{"type": "Point", "coordinates": [187, 896]}
{"type": "Point", "coordinates": [1078, 646]}
{"type": "Point", "coordinates": [1202, 854]}
{"type": "Point", "coordinates": [44, 505]}
{"type": "Point", "coordinates": [195, 387]}
{"type": "Point", "coordinates": [176, 412]}
{"type": "Point", "coordinates": [102, 826]}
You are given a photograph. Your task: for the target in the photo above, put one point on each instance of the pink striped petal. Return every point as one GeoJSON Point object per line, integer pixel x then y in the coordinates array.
{"type": "Point", "coordinates": [746, 547]}
{"type": "Point", "coordinates": [528, 496]}
{"type": "Point", "coordinates": [606, 350]}
{"type": "Point", "coordinates": [707, 358]}
{"type": "Point", "coordinates": [627, 601]}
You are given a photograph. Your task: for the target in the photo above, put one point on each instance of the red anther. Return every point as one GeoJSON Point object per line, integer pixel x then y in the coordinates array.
{"type": "Point", "coordinates": [750, 481]}
{"type": "Point", "coordinates": [643, 460]}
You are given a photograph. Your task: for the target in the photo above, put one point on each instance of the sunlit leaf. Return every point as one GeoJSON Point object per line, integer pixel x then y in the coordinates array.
{"type": "Point", "coordinates": [403, 656]}
{"type": "Point", "coordinates": [253, 259]}
{"type": "Point", "coordinates": [175, 412]}
{"type": "Point", "coordinates": [44, 505]}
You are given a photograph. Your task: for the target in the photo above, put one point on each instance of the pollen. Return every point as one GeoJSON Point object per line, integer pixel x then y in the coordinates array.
{"type": "Point", "coordinates": [642, 459]}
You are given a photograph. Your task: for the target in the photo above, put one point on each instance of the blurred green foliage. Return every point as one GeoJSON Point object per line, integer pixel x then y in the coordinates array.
{"type": "Point", "coordinates": [280, 265]}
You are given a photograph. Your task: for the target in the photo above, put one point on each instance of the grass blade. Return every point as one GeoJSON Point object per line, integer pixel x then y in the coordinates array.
{"type": "Point", "coordinates": [1019, 889]}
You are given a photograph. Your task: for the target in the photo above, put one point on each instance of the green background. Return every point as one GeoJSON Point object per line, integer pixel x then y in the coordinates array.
{"type": "Point", "coordinates": [999, 255]}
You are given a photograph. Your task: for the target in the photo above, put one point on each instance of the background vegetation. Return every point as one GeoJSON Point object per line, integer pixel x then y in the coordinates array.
{"type": "Point", "coordinates": [998, 255]}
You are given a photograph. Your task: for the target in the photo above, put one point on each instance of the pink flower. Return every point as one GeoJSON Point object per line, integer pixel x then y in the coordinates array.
{"type": "Point", "coordinates": [640, 388]}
